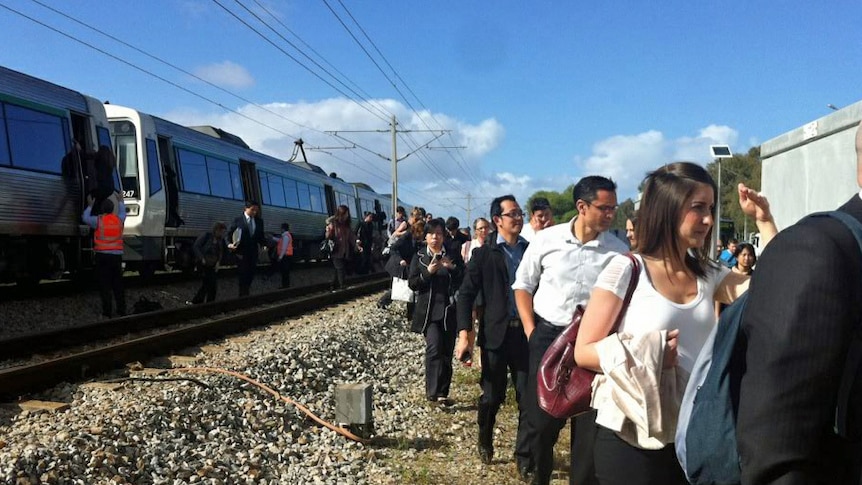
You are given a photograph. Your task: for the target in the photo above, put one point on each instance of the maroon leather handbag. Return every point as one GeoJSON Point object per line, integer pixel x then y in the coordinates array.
{"type": "Point", "coordinates": [564, 388]}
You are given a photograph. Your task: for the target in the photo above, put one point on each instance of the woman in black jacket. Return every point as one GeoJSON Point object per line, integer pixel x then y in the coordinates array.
{"type": "Point", "coordinates": [435, 275]}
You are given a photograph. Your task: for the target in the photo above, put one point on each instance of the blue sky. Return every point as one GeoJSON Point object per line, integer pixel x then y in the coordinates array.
{"type": "Point", "coordinates": [538, 93]}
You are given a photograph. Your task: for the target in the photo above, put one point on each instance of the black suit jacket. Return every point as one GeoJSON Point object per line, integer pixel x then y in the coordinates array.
{"type": "Point", "coordinates": [248, 246]}
{"type": "Point", "coordinates": [486, 272]}
{"type": "Point", "coordinates": [805, 302]}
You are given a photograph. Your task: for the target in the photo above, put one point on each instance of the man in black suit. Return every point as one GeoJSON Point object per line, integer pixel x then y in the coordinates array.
{"type": "Point", "coordinates": [491, 272]}
{"type": "Point", "coordinates": [804, 308]}
{"type": "Point", "coordinates": [246, 249]}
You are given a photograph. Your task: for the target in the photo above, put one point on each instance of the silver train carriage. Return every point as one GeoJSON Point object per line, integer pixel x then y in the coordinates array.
{"type": "Point", "coordinates": [42, 190]}
{"type": "Point", "coordinates": [178, 181]}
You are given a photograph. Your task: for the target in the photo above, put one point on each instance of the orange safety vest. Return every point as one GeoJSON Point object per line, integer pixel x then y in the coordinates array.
{"type": "Point", "coordinates": [109, 233]}
{"type": "Point", "coordinates": [285, 240]}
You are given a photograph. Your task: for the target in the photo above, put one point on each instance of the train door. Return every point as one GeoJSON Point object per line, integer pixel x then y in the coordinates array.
{"type": "Point", "coordinates": [172, 188]}
{"type": "Point", "coordinates": [250, 181]}
{"type": "Point", "coordinates": [331, 203]}
{"type": "Point", "coordinates": [76, 171]}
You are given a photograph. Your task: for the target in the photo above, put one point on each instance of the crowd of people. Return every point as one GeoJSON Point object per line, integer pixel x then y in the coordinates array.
{"type": "Point", "coordinates": [511, 297]}
{"type": "Point", "coordinates": [512, 286]}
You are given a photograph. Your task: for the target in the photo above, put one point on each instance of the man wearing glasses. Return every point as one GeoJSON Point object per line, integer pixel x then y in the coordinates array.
{"type": "Point", "coordinates": [556, 274]}
{"type": "Point", "coordinates": [491, 272]}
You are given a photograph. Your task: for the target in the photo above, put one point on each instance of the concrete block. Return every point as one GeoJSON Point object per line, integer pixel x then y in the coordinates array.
{"type": "Point", "coordinates": [353, 404]}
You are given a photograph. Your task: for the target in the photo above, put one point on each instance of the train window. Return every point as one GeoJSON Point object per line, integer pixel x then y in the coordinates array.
{"type": "Point", "coordinates": [193, 171]}
{"type": "Point", "coordinates": [4, 144]}
{"type": "Point", "coordinates": [291, 195]}
{"type": "Point", "coordinates": [304, 196]}
{"type": "Point", "coordinates": [317, 204]}
{"type": "Point", "coordinates": [37, 140]}
{"type": "Point", "coordinates": [276, 190]}
{"type": "Point", "coordinates": [220, 184]}
{"type": "Point", "coordinates": [127, 162]}
{"type": "Point", "coordinates": [236, 181]}
{"type": "Point", "coordinates": [154, 177]}
{"type": "Point", "coordinates": [264, 187]}
{"type": "Point", "coordinates": [104, 136]}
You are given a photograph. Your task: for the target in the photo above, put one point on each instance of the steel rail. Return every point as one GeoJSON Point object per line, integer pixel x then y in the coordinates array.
{"type": "Point", "coordinates": [16, 381]}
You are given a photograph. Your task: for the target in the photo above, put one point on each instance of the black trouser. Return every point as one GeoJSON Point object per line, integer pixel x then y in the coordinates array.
{"type": "Point", "coordinates": [619, 463]}
{"type": "Point", "coordinates": [339, 264]}
{"type": "Point", "coordinates": [547, 428]}
{"type": "Point", "coordinates": [510, 358]}
{"type": "Point", "coordinates": [364, 264]}
{"type": "Point", "coordinates": [109, 268]}
{"type": "Point", "coordinates": [245, 269]}
{"type": "Point", "coordinates": [439, 347]}
{"type": "Point", "coordinates": [284, 268]}
{"type": "Point", "coordinates": [208, 285]}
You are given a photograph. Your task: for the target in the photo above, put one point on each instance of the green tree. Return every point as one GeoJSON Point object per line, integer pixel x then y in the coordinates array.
{"type": "Point", "coordinates": [740, 168]}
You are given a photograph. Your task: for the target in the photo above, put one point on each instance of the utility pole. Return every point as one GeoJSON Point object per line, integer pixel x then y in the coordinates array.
{"type": "Point", "coordinates": [393, 129]}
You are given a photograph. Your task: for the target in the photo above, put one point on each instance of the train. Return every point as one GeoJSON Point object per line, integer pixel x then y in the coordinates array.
{"type": "Point", "coordinates": [176, 181]}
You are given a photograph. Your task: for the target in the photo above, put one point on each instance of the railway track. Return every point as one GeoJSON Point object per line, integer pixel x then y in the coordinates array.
{"type": "Point", "coordinates": [50, 360]}
{"type": "Point", "coordinates": [87, 281]}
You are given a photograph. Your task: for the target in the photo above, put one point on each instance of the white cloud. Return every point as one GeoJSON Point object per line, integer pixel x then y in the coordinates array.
{"type": "Point", "coordinates": [628, 158]}
{"type": "Point", "coordinates": [225, 74]}
{"type": "Point", "coordinates": [426, 176]}
{"type": "Point", "coordinates": [437, 179]}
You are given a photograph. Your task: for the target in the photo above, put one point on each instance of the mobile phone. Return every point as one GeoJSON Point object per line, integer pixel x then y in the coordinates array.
{"type": "Point", "coordinates": [437, 257]}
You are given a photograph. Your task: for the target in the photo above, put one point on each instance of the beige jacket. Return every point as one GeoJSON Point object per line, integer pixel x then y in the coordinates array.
{"type": "Point", "coordinates": [634, 396]}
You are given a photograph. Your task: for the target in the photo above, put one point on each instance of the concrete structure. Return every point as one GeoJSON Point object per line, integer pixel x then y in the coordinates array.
{"type": "Point", "coordinates": [811, 168]}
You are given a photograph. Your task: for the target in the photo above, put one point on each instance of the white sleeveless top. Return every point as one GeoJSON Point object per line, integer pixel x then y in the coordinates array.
{"type": "Point", "coordinates": [649, 310]}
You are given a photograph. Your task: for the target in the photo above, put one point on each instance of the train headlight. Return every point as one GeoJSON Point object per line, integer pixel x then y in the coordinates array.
{"type": "Point", "coordinates": [133, 209]}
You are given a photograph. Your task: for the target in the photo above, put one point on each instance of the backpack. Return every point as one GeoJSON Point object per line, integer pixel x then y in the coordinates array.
{"type": "Point", "coordinates": [706, 431]}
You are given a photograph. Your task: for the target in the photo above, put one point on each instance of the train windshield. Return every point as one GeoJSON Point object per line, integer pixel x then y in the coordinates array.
{"type": "Point", "coordinates": [125, 143]}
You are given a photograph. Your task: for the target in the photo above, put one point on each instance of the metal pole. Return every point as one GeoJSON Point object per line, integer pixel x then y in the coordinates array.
{"type": "Point", "coordinates": [717, 224]}
{"type": "Point", "coordinates": [469, 206]}
{"type": "Point", "coordinates": [394, 168]}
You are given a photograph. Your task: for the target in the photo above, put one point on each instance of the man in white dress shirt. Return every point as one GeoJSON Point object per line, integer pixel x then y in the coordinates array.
{"type": "Point", "coordinates": [557, 273]}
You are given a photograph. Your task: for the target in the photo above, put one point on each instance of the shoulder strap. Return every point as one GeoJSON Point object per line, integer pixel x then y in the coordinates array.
{"type": "Point", "coordinates": [633, 283]}
{"type": "Point", "coordinates": [844, 409]}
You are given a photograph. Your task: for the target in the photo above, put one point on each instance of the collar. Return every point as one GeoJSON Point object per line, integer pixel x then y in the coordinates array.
{"type": "Point", "coordinates": [500, 241]}
{"type": "Point", "coordinates": [860, 194]}
{"type": "Point", "coordinates": [571, 238]}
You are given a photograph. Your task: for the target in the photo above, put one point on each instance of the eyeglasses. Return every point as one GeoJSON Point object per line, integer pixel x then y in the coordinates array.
{"type": "Point", "coordinates": [604, 208]}
{"type": "Point", "coordinates": [514, 215]}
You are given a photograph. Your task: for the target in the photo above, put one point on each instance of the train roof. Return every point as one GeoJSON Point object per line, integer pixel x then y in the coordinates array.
{"type": "Point", "coordinates": [221, 134]}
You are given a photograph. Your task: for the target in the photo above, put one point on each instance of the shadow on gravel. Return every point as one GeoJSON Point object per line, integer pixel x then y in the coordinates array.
{"type": "Point", "coordinates": [398, 443]}
{"type": "Point", "coordinates": [7, 412]}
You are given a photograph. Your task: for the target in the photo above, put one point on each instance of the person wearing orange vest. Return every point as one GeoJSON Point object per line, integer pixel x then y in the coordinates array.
{"type": "Point", "coordinates": [108, 250]}
{"type": "Point", "coordinates": [284, 253]}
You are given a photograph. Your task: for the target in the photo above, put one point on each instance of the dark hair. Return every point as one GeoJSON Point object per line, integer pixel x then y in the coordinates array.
{"type": "Point", "coordinates": [748, 246]}
{"type": "Point", "coordinates": [106, 206]}
{"type": "Point", "coordinates": [219, 225]}
{"type": "Point", "coordinates": [588, 187]}
{"type": "Point", "coordinates": [634, 218]}
{"type": "Point", "coordinates": [400, 210]}
{"type": "Point", "coordinates": [452, 223]}
{"type": "Point", "coordinates": [665, 192]}
{"type": "Point", "coordinates": [435, 224]}
{"type": "Point", "coordinates": [251, 203]}
{"type": "Point", "coordinates": [285, 226]}
{"type": "Point", "coordinates": [539, 204]}
{"type": "Point", "coordinates": [733, 241]}
{"type": "Point", "coordinates": [497, 204]}
{"type": "Point", "coordinates": [342, 215]}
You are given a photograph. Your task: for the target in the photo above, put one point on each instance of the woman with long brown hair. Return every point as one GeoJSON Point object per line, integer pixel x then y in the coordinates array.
{"type": "Point", "coordinates": [338, 229]}
{"type": "Point", "coordinates": [671, 310]}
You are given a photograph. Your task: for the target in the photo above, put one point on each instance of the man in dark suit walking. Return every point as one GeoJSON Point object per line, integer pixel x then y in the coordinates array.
{"type": "Point", "coordinates": [491, 272]}
{"type": "Point", "coordinates": [804, 309]}
{"type": "Point", "coordinates": [245, 243]}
